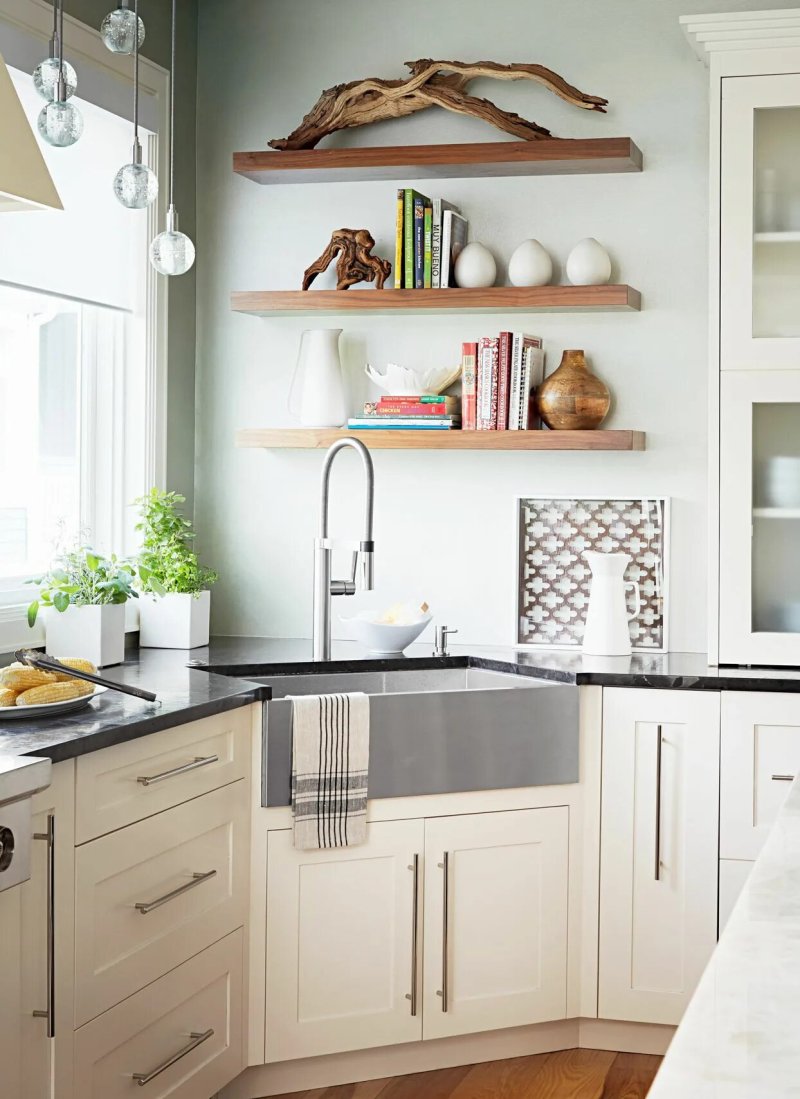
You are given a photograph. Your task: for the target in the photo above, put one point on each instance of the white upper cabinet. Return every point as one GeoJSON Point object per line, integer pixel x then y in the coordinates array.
{"type": "Point", "coordinates": [760, 223]}
{"type": "Point", "coordinates": [659, 850]}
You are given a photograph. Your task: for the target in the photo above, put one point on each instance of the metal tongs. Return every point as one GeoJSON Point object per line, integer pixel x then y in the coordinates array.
{"type": "Point", "coordinates": [46, 663]}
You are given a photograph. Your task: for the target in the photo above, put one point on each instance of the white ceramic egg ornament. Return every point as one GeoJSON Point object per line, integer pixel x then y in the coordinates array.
{"type": "Point", "coordinates": [475, 267]}
{"type": "Point", "coordinates": [530, 265]}
{"type": "Point", "coordinates": [588, 264]}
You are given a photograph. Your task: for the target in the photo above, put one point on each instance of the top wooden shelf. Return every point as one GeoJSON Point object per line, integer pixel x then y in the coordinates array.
{"type": "Point", "coordinates": [556, 156]}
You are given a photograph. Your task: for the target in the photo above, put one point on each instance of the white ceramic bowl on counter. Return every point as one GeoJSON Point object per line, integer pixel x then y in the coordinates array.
{"type": "Point", "coordinates": [384, 638]}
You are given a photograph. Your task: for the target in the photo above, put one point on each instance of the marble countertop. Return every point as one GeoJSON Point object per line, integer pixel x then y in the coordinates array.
{"type": "Point", "coordinates": [738, 1038]}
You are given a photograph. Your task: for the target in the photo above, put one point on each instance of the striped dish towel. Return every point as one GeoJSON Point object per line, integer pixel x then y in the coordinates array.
{"type": "Point", "coordinates": [330, 762]}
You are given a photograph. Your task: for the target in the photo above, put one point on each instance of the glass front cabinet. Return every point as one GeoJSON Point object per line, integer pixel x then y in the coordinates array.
{"type": "Point", "coordinates": [759, 375]}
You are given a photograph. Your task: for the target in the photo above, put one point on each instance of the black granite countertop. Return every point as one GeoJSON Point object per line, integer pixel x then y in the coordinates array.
{"type": "Point", "coordinates": [184, 694]}
{"type": "Point", "coordinates": [196, 683]}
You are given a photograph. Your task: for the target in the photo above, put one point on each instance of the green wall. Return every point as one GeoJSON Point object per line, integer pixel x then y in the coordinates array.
{"type": "Point", "coordinates": [181, 402]}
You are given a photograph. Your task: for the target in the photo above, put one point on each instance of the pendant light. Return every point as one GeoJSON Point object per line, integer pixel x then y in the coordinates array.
{"type": "Point", "coordinates": [45, 75]}
{"type": "Point", "coordinates": [172, 252]}
{"type": "Point", "coordinates": [135, 185]}
{"type": "Point", "coordinates": [60, 123]}
{"type": "Point", "coordinates": [118, 29]}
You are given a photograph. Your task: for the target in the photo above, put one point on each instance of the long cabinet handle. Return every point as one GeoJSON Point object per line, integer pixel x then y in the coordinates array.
{"type": "Point", "coordinates": [659, 743]}
{"type": "Point", "coordinates": [412, 996]}
{"type": "Point", "coordinates": [198, 1037]}
{"type": "Point", "coordinates": [444, 866]}
{"type": "Point", "coordinates": [49, 837]}
{"type": "Point", "coordinates": [783, 778]}
{"type": "Point", "coordinates": [197, 879]}
{"type": "Point", "coordinates": [198, 761]}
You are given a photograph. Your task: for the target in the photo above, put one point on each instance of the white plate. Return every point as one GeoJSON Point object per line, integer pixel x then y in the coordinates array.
{"type": "Point", "coordinates": [49, 709]}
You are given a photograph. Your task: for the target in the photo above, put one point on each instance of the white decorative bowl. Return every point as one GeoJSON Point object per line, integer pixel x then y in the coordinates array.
{"type": "Point", "coordinates": [382, 638]}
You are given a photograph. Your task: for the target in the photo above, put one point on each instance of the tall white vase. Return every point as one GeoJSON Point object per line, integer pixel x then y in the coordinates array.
{"type": "Point", "coordinates": [606, 632]}
{"type": "Point", "coordinates": [317, 396]}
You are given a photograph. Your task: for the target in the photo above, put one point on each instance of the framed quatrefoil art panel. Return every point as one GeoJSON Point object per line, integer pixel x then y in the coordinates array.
{"type": "Point", "coordinates": [554, 579]}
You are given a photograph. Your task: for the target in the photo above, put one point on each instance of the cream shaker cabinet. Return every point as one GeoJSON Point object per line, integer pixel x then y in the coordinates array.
{"type": "Point", "coordinates": [659, 850]}
{"type": "Point", "coordinates": [481, 897]}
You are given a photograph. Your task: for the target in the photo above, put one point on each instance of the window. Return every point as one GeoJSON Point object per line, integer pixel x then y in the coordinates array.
{"type": "Point", "coordinates": [76, 430]}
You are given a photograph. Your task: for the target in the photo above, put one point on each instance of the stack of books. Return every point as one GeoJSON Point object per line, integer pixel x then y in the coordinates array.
{"type": "Point", "coordinates": [499, 378]}
{"type": "Point", "coordinates": [415, 413]}
{"type": "Point", "coordinates": [430, 235]}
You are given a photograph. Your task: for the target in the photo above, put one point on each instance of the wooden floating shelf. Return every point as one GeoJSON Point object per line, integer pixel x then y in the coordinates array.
{"type": "Point", "coordinates": [383, 439]}
{"type": "Point", "coordinates": [552, 156]}
{"type": "Point", "coordinates": [494, 299]}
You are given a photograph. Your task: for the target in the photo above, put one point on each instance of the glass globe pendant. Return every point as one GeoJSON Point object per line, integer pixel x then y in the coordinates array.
{"type": "Point", "coordinates": [119, 29]}
{"type": "Point", "coordinates": [172, 252]}
{"type": "Point", "coordinates": [46, 73]}
{"type": "Point", "coordinates": [135, 185]}
{"type": "Point", "coordinates": [60, 123]}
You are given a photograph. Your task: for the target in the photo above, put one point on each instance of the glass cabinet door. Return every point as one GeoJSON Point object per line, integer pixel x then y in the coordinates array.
{"type": "Point", "coordinates": [760, 223]}
{"type": "Point", "coordinates": [760, 518]}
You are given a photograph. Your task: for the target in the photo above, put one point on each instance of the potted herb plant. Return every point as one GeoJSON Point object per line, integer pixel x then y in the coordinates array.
{"type": "Point", "coordinates": [85, 595]}
{"type": "Point", "coordinates": [175, 608]}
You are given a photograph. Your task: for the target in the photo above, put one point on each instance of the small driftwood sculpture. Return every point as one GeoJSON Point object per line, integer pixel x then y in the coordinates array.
{"type": "Point", "coordinates": [355, 264]}
{"type": "Point", "coordinates": [431, 84]}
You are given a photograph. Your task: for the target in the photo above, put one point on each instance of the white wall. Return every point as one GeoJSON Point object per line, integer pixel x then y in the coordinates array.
{"type": "Point", "coordinates": [445, 522]}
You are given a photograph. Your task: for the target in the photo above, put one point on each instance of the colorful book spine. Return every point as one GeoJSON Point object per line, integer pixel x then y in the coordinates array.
{"type": "Point", "coordinates": [419, 241]}
{"type": "Point", "coordinates": [408, 238]}
{"type": "Point", "coordinates": [503, 380]}
{"type": "Point", "coordinates": [439, 207]}
{"type": "Point", "coordinates": [427, 248]}
{"type": "Point", "coordinates": [469, 355]}
{"type": "Point", "coordinates": [422, 398]}
{"type": "Point", "coordinates": [410, 410]}
{"type": "Point", "coordinates": [455, 229]}
{"type": "Point", "coordinates": [398, 240]}
{"type": "Point", "coordinates": [519, 399]}
{"type": "Point", "coordinates": [488, 356]}
{"type": "Point", "coordinates": [532, 376]}
{"type": "Point", "coordinates": [377, 423]}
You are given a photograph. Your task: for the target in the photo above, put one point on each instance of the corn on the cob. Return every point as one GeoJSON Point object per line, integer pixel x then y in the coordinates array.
{"type": "Point", "coordinates": [54, 692]}
{"type": "Point", "coordinates": [19, 677]}
{"type": "Point", "coordinates": [7, 698]}
{"type": "Point", "coordinates": [79, 664]}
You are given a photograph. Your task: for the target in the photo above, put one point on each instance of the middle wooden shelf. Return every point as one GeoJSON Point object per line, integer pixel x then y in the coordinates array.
{"type": "Point", "coordinates": [493, 299]}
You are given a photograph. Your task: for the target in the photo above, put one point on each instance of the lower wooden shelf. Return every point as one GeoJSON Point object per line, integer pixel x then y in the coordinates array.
{"type": "Point", "coordinates": [381, 439]}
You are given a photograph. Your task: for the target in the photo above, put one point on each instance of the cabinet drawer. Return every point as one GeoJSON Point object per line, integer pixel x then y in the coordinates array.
{"type": "Point", "coordinates": [760, 755]}
{"type": "Point", "coordinates": [178, 764]}
{"type": "Point", "coordinates": [188, 865]}
{"type": "Point", "coordinates": [151, 1034]}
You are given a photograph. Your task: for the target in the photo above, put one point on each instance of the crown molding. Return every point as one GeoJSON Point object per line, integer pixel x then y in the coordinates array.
{"type": "Point", "coordinates": [723, 32]}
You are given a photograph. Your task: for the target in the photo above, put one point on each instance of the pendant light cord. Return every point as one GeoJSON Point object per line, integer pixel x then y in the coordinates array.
{"type": "Point", "coordinates": [135, 72]}
{"type": "Point", "coordinates": [61, 40]}
{"type": "Point", "coordinates": [172, 109]}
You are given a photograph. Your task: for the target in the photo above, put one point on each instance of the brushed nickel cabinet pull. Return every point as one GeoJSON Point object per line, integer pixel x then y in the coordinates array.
{"type": "Point", "coordinates": [783, 778]}
{"type": "Point", "coordinates": [658, 804]}
{"type": "Point", "coordinates": [198, 761]}
{"type": "Point", "coordinates": [412, 996]}
{"type": "Point", "coordinates": [197, 879]}
{"type": "Point", "coordinates": [49, 837]}
{"type": "Point", "coordinates": [198, 1038]}
{"type": "Point", "coordinates": [444, 866]}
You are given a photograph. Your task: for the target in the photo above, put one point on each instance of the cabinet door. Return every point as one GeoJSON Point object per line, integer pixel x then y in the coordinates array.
{"type": "Point", "coordinates": [495, 920]}
{"type": "Point", "coordinates": [11, 1017]}
{"type": "Point", "coordinates": [342, 943]}
{"type": "Point", "coordinates": [659, 850]}
{"type": "Point", "coordinates": [759, 582]}
{"type": "Point", "coordinates": [732, 877]}
{"type": "Point", "coordinates": [760, 756]}
{"type": "Point", "coordinates": [760, 223]}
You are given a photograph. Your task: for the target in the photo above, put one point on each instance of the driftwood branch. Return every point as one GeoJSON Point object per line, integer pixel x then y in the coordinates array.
{"type": "Point", "coordinates": [431, 83]}
{"type": "Point", "coordinates": [354, 264]}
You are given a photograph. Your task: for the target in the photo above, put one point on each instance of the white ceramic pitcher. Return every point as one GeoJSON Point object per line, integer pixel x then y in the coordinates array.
{"type": "Point", "coordinates": [318, 380]}
{"type": "Point", "coordinates": [606, 632]}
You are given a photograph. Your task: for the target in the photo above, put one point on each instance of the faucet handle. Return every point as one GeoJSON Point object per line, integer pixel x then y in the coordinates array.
{"type": "Point", "coordinates": [442, 633]}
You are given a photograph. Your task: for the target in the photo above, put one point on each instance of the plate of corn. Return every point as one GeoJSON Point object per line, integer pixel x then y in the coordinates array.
{"type": "Point", "coordinates": [27, 692]}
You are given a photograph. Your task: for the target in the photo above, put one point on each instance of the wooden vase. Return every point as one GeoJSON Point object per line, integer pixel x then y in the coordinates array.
{"type": "Point", "coordinates": [572, 398]}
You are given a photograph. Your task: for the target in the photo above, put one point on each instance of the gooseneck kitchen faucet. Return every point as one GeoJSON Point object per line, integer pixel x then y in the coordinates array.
{"type": "Point", "coordinates": [362, 576]}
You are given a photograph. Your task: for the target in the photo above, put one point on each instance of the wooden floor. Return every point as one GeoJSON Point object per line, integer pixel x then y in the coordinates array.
{"type": "Point", "coordinates": [569, 1074]}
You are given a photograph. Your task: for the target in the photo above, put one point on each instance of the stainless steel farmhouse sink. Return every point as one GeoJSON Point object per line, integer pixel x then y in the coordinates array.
{"type": "Point", "coordinates": [440, 730]}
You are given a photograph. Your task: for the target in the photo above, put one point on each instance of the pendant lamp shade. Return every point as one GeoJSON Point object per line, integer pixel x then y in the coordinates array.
{"type": "Point", "coordinates": [25, 180]}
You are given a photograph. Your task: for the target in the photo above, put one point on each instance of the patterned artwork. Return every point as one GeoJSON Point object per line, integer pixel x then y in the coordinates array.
{"type": "Point", "coordinates": [555, 580]}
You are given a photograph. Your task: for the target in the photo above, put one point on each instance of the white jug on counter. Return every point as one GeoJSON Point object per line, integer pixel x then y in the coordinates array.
{"type": "Point", "coordinates": [318, 377]}
{"type": "Point", "coordinates": [606, 632]}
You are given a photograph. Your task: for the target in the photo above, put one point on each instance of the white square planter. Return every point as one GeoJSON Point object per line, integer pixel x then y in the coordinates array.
{"type": "Point", "coordinates": [175, 621]}
{"type": "Point", "coordinates": [95, 633]}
